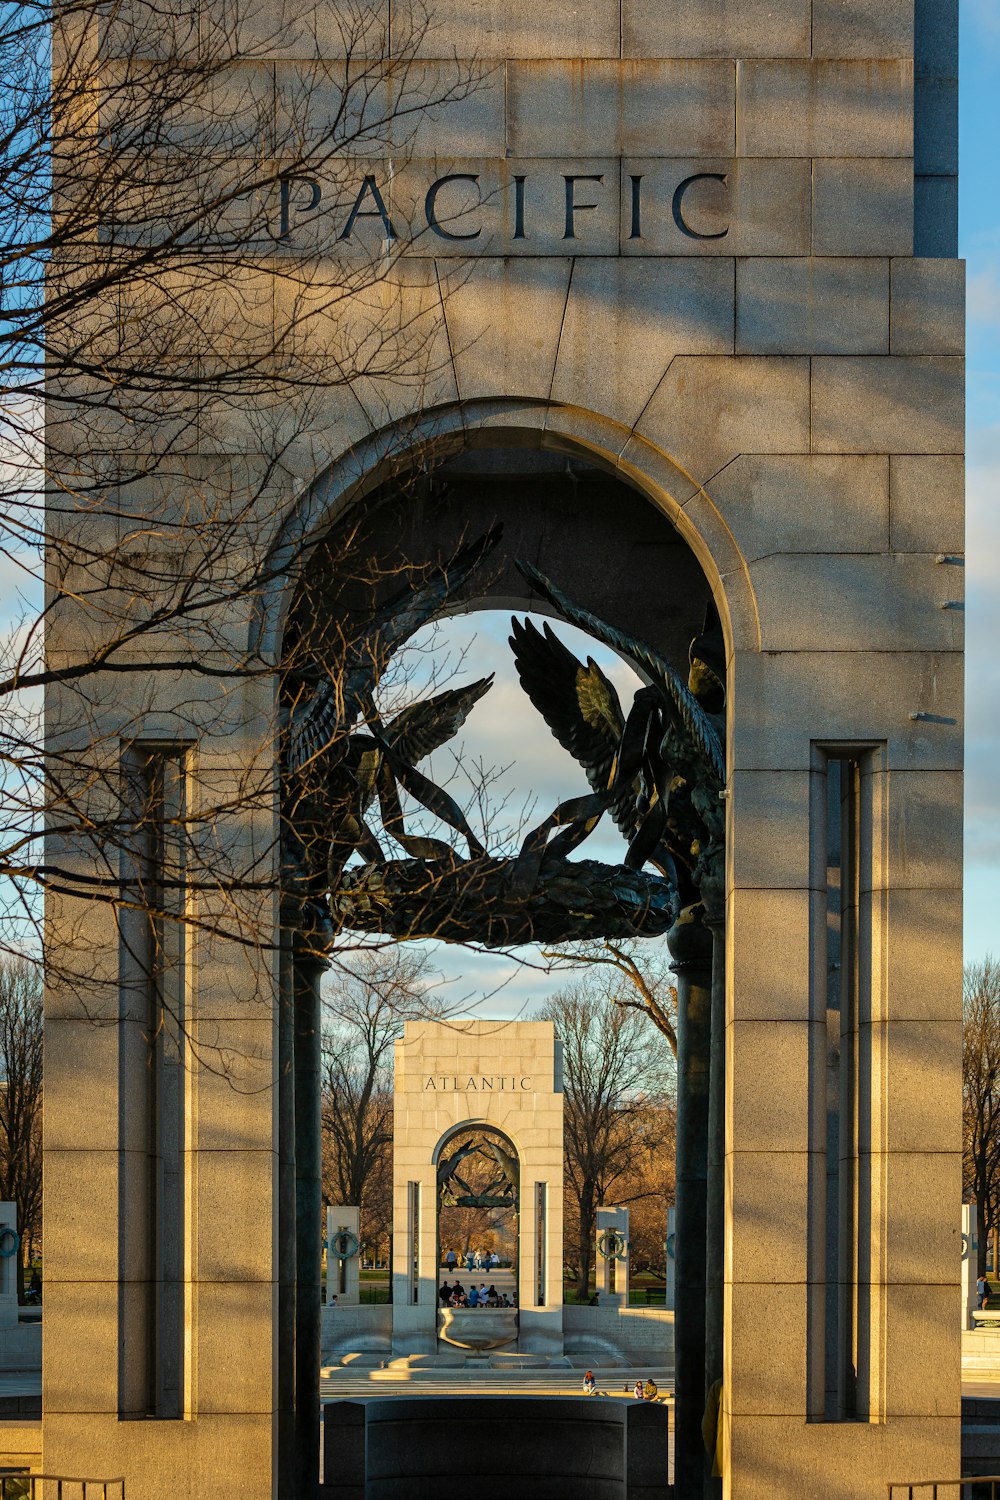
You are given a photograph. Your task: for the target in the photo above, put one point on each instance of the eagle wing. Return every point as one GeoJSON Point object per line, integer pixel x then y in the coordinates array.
{"type": "Point", "coordinates": [693, 722]}
{"type": "Point", "coordinates": [579, 705]}
{"type": "Point", "coordinates": [422, 728]}
{"type": "Point", "coordinates": [332, 710]}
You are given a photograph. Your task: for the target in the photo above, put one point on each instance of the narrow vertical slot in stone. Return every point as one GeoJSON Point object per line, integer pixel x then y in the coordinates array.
{"type": "Point", "coordinates": [843, 1060]}
{"type": "Point", "coordinates": [153, 1025]}
{"type": "Point", "coordinates": [821, 1096]}
{"type": "Point", "coordinates": [844, 1276]}
{"type": "Point", "coordinates": [870, 1057]}
{"type": "Point", "coordinates": [540, 1234]}
{"type": "Point", "coordinates": [414, 1237]}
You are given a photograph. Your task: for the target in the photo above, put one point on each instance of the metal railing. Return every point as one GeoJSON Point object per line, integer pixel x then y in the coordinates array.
{"type": "Point", "coordinates": [20, 1485]}
{"type": "Point", "coordinates": [972, 1487]}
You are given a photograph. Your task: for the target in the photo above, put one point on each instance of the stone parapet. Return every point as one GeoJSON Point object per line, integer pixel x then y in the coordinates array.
{"type": "Point", "coordinates": [639, 1333]}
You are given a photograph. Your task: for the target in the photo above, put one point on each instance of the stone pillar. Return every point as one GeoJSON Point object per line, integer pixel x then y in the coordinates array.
{"type": "Point", "coordinates": [970, 1262]}
{"type": "Point", "coordinates": [510, 1079]}
{"type": "Point", "coordinates": [308, 971]}
{"type": "Point", "coordinates": [690, 945]}
{"type": "Point", "coordinates": [285, 1192]}
{"type": "Point", "coordinates": [715, 1200]}
{"type": "Point", "coordinates": [415, 1276]}
{"type": "Point", "coordinates": [343, 1256]}
{"type": "Point", "coordinates": [8, 1265]}
{"type": "Point", "coordinates": [539, 1263]}
{"type": "Point", "coordinates": [612, 1264]}
{"type": "Point", "coordinates": [671, 1292]}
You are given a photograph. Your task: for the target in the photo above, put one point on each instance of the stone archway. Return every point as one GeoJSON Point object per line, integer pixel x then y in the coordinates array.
{"type": "Point", "coordinates": [514, 424]}
{"type": "Point", "coordinates": [454, 1080]}
{"type": "Point", "coordinates": [580, 515]}
{"type": "Point", "coordinates": [478, 1210]}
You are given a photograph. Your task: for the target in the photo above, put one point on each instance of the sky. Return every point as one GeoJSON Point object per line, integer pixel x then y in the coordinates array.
{"type": "Point", "coordinates": [979, 243]}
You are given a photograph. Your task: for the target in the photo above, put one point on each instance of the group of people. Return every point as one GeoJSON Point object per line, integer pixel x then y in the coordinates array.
{"type": "Point", "coordinates": [473, 1260]}
{"type": "Point", "coordinates": [476, 1296]}
{"type": "Point", "coordinates": [642, 1392]}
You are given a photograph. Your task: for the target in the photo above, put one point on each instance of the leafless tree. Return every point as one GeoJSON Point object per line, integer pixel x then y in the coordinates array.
{"type": "Point", "coordinates": [647, 1187]}
{"type": "Point", "coordinates": [201, 293]}
{"type": "Point", "coordinates": [645, 967]}
{"type": "Point", "coordinates": [614, 1081]}
{"type": "Point", "coordinates": [981, 1100]}
{"type": "Point", "coordinates": [368, 996]}
{"type": "Point", "coordinates": [21, 1100]}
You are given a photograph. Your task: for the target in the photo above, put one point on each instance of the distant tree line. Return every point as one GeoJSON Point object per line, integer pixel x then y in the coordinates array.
{"type": "Point", "coordinates": [21, 1102]}
{"type": "Point", "coordinates": [981, 1102]}
{"type": "Point", "coordinates": [619, 1121]}
{"type": "Point", "coordinates": [370, 993]}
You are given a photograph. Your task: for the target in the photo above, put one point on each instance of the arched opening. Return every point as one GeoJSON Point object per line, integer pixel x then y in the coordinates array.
{"type": "Point", "coordinates": [477, 1212]}
{"type": "Point", "coordinates": [571, 517]}
{"type": "Point", "coordinates": [618, 557]}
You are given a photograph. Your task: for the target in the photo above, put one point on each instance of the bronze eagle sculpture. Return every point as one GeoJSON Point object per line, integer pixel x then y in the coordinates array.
{"type": "Point", "coordinates": [659, 770]}
{"type": "Point", "coordinates": [336, 767]}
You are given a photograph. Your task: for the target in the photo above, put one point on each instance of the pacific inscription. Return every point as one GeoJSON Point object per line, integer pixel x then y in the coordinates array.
{"type": "Point", "coordinates": [464, 208]}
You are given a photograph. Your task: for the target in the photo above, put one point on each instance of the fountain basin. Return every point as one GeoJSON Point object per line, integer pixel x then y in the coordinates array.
{"type": "Point", "coordinates": [478, 1327]}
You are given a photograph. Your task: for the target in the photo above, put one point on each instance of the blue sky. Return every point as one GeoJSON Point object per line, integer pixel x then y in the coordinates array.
{"type": "Point", "coordinates": [979, 236]}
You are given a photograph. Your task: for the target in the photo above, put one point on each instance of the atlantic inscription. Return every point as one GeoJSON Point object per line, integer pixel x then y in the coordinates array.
{"type": "Point", "coordinates": [477, 1083]}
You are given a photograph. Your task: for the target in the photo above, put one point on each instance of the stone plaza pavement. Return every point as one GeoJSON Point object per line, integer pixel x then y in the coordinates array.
{"type": "Point", "coordinates": [346, 1384]}
{"type": "Point", "coordinates": [341, 1384]}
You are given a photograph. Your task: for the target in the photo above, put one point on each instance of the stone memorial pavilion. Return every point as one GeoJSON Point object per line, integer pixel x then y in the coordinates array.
{"type": "Point", "coordinates": [691, 331]}
{"type": "Point", "coordinates": [507, 1078]}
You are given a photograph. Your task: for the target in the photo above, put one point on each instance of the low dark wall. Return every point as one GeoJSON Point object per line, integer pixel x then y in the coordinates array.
{"type": "Point", "coordinates": [495, 1448]}
{"type": "Point", "coordinates": [981, 1436]}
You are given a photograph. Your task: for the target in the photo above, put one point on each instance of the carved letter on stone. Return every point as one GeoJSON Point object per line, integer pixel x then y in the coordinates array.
{"type": "Point", "coordinates": [678, 205]}
{"type": "Point", "coordinates": [636, 233]}
{"type": "Point", "coordinates": [572, 207]}
{"type": "Point", "coordinates": [378, 212]}
{"type": "Point", "coordinates": [285, 184]}
{"type": "Point", "coordinates": [430, 206]}
{"type": "Point", "coordinates": [519, 233]}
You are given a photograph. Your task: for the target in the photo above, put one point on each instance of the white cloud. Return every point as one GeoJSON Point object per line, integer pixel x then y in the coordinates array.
{"type": "Point", "coordinates": [985, 17]}
{"type": "Point", "coordinates": [983, 295]}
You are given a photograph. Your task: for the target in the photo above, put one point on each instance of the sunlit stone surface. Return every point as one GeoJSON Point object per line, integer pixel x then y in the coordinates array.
{"type": "Point", "coordinates": [713, 259]}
